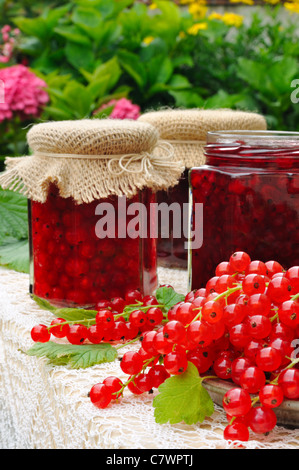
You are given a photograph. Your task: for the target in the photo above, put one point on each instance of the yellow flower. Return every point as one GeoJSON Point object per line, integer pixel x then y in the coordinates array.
{"type": "Point", "coordinates": [292, 6]}
{"type": "Point", "coordinates": [272, 2]}
{"type": "Point", "coordinates": [193, 30]}
{"type": "Point", "coordinates": [232, 19]}
{"type": "Point", "coordinates": [182, 34]}
{"type": "Point", "coordinates": [153, 6]}
{"type": "Point", "coordinates": [215, 16]}
{"type": "Point", "coordinates": [247, 2]}
{"type": "Point", "coordinates": [148, 39]}
{"type": "Point", "coordinates": [198, 10]}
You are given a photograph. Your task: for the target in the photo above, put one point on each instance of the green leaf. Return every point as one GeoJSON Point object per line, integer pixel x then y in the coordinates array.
{"type": "Point", "coordinates": [168, 297]}
{"type": "Point", "coordinates": [15, 255]}
{"type": "Point", "coordinates": [72, 33]}
{"type": "Point", "coordinates": [182, 398]}
{"type": "Point", "coordinates": [69, 314]}
{"type": "Point", "coordinates": [134, 67]}
{"type": "Point", "coordinates": [79, 55]}
{"type": "Point", "coordinates": [13, 215]}
{"type": "Point", "coordinates": [75, 356]}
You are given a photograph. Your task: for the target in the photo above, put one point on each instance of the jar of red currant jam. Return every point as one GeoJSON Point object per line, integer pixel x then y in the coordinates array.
{"type": "Point", "coordinates": [186, 131]}
{"type": "Point", "coordinates": [90, 186]}
{"type": "Point", "coordinates": [249, 193]}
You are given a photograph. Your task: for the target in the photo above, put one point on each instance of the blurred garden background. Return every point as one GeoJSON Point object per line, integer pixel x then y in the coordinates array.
{"type": "Point", "coordinates": [118, 58]}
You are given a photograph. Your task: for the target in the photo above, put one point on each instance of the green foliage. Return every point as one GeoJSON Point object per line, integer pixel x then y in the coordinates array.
{"type": "Point", "coordinates": [183, 398]}
{"type": "Point", "coordinates": [92, 51]}
{"type": "Point", "coordinates": [74, 356]}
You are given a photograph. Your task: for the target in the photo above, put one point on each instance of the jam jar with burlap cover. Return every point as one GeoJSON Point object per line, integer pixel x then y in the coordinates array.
{"type": "Point", "coordinates": [186, 131]}
{"type": "Point", "coordinates": [90, 185]}
{"type": "Point", "coordinates": [249, 192]}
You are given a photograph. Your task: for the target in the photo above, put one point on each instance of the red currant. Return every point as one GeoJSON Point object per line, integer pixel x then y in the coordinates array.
{"type": "Point", "coordinates": [40, 333]}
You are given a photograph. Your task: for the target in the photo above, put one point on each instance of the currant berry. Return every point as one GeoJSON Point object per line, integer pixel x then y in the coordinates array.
{"type": "Point", "coordinates": [256, 267]}
{"type": "Point", "coordinates": [200, 333]}
{"type": "Point", "coordinates": [238, 335]}
{"type": "Point", "coordinates": [114, 384]}
{"type": "Point", "coordinates": [77, 334]}
{"type": "Point", "coordinates": [40, 333]}
{"type": "Point", "coordinates": [144, 382]}
{"type": "Point", "coordinates": [94, 335]}
{"type": "Point", "coordinates": [148, 343]}
{"type": "Point", "coordinates": [293, 275]}
{"type": "Point", "coordinates": [154, 316]}
{"type": "Point", "coordinates": [161, 344]}
{"type": "Point", "coordinates": [258, 304]}
{"type": "Point", "coordinates": [236, 402]}
{"type": "Point", "coordinates": [288, 313]}
{"type": "Point", "coordinates": [236, 432]}
{"type": "Point", "coordinates": [268, 359]}
{"type": "Point", "coordinates": [118, 304]}
{"type": "Point", "coordinates": [174, 331]}
{"type": "Point", "coordinates": [239, 261]}
{"type": "Point", "coordinates": [223, 367]}
{"type": "Point", "coordinates": [100, 395]}
{"type": "Point", "coordinates": [252, 379]}
{"type": "Point", "coordinates": [105, 318]}
{"type": "Point", "coordinates": [223, 268]}
{"type": "Point", "coordinates": [258, 326]}
{"type": "Point", "coordinates": [185, 313]}
{"type": "Point", "coordinates": [253, 284]}
{"type": "Point", "coordinates": [59, 328]}
{"type": "Point", "coordinates": [133, 296]}
{"type": "Point", "coordinates": [158, 375]}
{"type": "Point", "coordinates": [271, 395]}
{"type": "Point", "coordinates": [137, 318]}
{"type": "Point", "coordinates": [279, 290]}
{"type": "Point", "coordinates": [262, 419]}
{"type": "Point", "coordinates": [233, 314]}
{"type": "Point", "coordinates": [201, 358]}
{"type": "Point", "coordinates": [212, 311]}
{"type": "Point", "coordinates": [273, 267]}
{"type": "Point", "coordinates": [238, 366]}
{"type": "Point", "coordinates": [175, 363]}
{"type": "Point", "coordinates": [289, 382]}
{"type": "Point", "coordinates": [131, 363]}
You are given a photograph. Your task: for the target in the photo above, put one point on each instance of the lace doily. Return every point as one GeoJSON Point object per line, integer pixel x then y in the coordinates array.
{"type": "Point", "coordinates": [47, 407]}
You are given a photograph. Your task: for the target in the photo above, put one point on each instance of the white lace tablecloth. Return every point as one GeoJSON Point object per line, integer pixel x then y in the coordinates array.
{"type": "Point", "coordinates": [45, 407]}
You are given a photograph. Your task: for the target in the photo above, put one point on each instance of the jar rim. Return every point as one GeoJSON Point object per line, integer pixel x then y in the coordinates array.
{"type": "Point", "coordinates": [261, 134]}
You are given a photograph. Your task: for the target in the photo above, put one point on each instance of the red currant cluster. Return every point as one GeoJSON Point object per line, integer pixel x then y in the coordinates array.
{"type": "Point", "coordinates": [116, 320]}
{"type": "Point", "coordinates": [241, 327]}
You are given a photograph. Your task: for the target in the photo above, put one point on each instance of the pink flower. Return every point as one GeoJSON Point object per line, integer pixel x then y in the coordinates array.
{"type": "Point", "coordinates": [123, 109]}
{"type": "Point", "coordinates": [24, 93]}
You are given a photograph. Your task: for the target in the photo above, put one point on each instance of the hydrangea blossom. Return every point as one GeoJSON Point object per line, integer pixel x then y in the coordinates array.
{"type": "Point", "coordinates": [24, 93]}
{"type": "Point", "coordinates": [7, 42]}
{"type": "Point", "coordinates": [123, 109]}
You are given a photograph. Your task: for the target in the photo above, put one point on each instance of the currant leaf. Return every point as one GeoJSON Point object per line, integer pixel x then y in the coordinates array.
{"type": "Point", "coordinates": [69, 314]}
{"type": "Point", "coordinates": [182, 398]}
{"type": "Point", "coordinates": [168, 297]}
{"type": "Point", "coordinates": [75, 356]}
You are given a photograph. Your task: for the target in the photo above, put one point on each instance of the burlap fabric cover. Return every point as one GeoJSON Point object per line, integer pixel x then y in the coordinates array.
{"type": "Point", "coordinates": [83, 159]}
{"type": "Point", "coordinates": [187, 130]}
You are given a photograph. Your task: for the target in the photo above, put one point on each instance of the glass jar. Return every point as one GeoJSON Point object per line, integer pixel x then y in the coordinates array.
{"type": "Point", "coordinates": [249, 192]}
{"type": "Point", "coordinates": [186, 130]}
{"type": "Point", "coordinates": [75, 259]}
{"type": "Point", "coordinates": [171, 246]}
{"type": "Point", "coordinates": [91, 186]}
